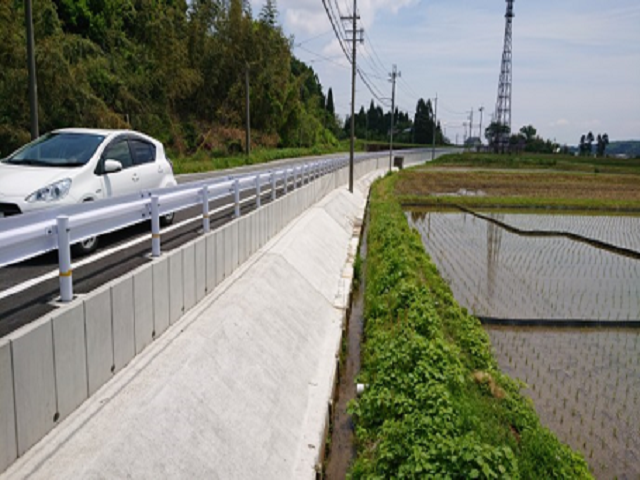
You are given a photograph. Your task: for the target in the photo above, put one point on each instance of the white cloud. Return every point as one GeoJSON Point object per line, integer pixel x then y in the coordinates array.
{"type": "Point", "coordinates": [571, 62]}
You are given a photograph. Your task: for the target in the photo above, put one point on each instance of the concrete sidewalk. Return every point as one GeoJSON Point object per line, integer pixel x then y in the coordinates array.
{"type": "Point", "coordinates": [239, 388]}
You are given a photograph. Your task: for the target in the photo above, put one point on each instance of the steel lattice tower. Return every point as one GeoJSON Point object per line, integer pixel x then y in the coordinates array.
{"type": "Point", "coordinates": [502, 115]}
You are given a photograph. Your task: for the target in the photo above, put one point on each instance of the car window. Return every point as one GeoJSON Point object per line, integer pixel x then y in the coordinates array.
{"type": "Point", "coordinates": [143, 152]}
{"type": "Point", "coordinates": [119, 150]}
{"type": "Point", "coordinates": [58, 150]}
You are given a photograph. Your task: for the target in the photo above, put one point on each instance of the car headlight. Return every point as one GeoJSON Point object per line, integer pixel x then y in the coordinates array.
{"type": "Point", "coordinates": [51, 193]}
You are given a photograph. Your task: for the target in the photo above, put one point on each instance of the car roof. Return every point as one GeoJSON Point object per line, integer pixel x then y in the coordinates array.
{"type": "Point", "coordinates": [95, 131]}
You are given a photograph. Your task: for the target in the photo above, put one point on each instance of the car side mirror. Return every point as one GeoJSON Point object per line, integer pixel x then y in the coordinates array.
{"type": "Point", "coordinates": [112, 166]}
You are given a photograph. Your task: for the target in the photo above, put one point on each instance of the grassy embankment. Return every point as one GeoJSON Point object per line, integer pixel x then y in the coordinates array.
{"type": "Point", "coordinates": [204, 161]}
{"type": "Point", "coordinates": [436, 405]}
{"type": "Point", "coordinates": [540, 181]}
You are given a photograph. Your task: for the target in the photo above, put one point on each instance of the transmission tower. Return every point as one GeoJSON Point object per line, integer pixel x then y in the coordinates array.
{"type": "Point", "coordinates": [503, 105]}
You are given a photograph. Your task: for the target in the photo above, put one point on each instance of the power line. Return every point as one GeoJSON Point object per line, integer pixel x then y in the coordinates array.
{"type": "Point", "coordinates": [328, 59]}
{"type": "Point", "coordinates": [335, 30]}
{"type": "Point", "coordinates": [314, 38]}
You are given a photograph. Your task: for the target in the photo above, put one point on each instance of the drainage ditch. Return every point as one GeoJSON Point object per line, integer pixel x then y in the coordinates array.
{"type": "Point", "coordinates": [340, 444]}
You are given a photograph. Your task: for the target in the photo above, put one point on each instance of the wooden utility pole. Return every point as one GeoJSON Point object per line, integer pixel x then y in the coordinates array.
{"type": "Point", "coordinates": [435, 127]}
{"type": "Point", "coordinates": [354, 19]}
{"type": "Point", "coordinates": [393, 75]}
{"type": "Point", "coordinates": [31, 65]}
{"type": "Point", "coordinates": [248, 110]}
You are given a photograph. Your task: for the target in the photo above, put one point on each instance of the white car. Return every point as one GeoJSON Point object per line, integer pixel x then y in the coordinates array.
{"type": "Point", "coordinates": [76, 165]}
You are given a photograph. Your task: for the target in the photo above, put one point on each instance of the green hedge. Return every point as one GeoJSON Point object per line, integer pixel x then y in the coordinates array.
{"type": "Point", "coordinates": [436, 405]}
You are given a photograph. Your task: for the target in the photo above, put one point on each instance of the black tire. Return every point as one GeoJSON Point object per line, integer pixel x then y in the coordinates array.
{"type": "Point", "coordinates": [85, 247]}
{"type": "Point", "coordinates": [167, 219]}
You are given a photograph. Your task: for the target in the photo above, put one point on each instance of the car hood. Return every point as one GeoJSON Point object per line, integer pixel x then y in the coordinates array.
{"type": "Point", "coordinates": [22, 181]}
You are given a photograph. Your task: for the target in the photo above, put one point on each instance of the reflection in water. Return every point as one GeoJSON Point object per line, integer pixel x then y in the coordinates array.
{"type": "Point", "coordinates": [495, 273]}
{"type": "Point", "coordinates": [494, 236]}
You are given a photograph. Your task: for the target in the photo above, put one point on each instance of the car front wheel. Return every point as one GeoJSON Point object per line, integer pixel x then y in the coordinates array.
{"type": "Point", "coordinates": [167, 219]}
{"type": "Point", "coordinates": [85, 247]}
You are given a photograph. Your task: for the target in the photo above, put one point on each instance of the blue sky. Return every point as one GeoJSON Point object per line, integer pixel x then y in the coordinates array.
{"type": "Point", "coordinates": [576, 65]}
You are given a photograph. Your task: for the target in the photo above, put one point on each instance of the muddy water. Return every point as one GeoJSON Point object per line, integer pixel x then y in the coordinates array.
{"type": "Point", "coordinates": [342, 449]}
{"type": "Point", "coordinates": [585, 385]}
{"type": "Point", "coordinates": [495, 273]}
{"type": "Point", "coordinates": [618, 230]}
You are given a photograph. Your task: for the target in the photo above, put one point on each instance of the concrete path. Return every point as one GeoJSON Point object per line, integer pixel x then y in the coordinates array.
{"type": "Point", "coordinates": [239, 388]}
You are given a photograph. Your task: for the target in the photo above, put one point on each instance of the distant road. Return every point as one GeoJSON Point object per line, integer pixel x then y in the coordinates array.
{"type": "Point", "coordinates": [26, 289]}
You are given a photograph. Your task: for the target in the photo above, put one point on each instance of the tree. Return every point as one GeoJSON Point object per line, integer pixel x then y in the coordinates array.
{"type": "Point", "coordinates": [583, 145]}
{"type": "Point", "coordinates": [590, 139]}
{"type": "Point", "coordinates": [602, 142]}
{"type": "Point", "coordinates": [330, 107]}
{"type": "Point", "coordinates": [269, 13]}
{"type": "Point", "coordinates": [529, 133]}
{"type": "Point", "coordinates": [495, 131]}
{"type": "Point", "coordinates": [423, 122]}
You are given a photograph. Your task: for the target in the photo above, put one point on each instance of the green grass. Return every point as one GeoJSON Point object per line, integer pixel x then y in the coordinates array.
{"type": "Point", "coordinates": [540, 161]}
{"type": "Point", "coordinates": [204, 161]}
{"type": "Point", "coordinates": [524, 203]}
{"type": "Point", "coordinates": [436, 405]}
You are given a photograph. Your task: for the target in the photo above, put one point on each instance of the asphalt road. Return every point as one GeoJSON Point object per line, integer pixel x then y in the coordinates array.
{"type": "Point", "coordinates": [27, 289]}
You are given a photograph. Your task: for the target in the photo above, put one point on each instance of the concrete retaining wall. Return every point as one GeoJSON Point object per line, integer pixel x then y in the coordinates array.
{"type": "Point", "coordinates": [48, 368]}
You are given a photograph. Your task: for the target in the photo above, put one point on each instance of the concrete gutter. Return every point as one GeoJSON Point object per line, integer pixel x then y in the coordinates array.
{"type": "Point", "coordinates": [240, 386]}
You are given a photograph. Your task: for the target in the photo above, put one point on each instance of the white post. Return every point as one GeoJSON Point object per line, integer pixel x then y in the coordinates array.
{"type": "Point", "coordinates": [155, 226]}
{"type": "Point", "coordinates": [273, 187]}
{"type": "Point", "coordinates": [64, 260]}
{"type": "Point", "coordinates": [236, 196]}
{"type": "Point", "coordinates": [206, 221]}
{"type": "Point", "coordinates": [258, 191]}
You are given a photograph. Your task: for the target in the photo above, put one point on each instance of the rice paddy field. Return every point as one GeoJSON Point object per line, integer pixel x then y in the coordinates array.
{"type": "Point", "coordinates": [621, 230]}
{"type": "Point", "coordinates": [498, 274]}
{"type": "Point", "coordinates": [584, 383]}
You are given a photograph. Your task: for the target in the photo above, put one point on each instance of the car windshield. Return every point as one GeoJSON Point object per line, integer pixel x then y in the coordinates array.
{"type": "Point", "coordinates": [58, 150]}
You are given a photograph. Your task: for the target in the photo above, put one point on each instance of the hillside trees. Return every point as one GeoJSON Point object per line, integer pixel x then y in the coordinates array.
{"type": "Point", "coordinates": [172, 68]}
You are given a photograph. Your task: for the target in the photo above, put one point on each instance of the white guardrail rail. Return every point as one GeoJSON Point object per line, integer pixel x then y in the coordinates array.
{"type": "Point", "coordinates": [32, 234]}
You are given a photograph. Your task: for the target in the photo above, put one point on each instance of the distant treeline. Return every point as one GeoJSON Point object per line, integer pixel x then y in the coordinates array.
{"type": "Point", "coordinates": [375, 124]}
{"type": "Point", "coordinates": [172, 68]}
{"type": "Point", "coordinates": [630, 148]}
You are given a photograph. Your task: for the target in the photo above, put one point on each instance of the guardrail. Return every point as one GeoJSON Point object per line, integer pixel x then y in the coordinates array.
{"type": "Point", "coordinates": [29, 235]}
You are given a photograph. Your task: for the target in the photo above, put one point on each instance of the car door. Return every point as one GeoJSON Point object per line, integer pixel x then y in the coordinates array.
{"type": "Point", "coordinates": [125, 181]}
{"type": "Point", "coordinates": [149, 172]}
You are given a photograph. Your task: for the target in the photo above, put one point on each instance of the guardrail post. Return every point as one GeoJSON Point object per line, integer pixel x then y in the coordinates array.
{"type": "Point", "coordinates": [64, 260]}
{"type": "Point", "coordinates": [206, 221]}
{"type": "Point", "coordinates": [286, 180]}
{"type": "Point", "coordinates": [258, 191]}
{"type": "Point", "coordinates": [236, 198]}
{"type": "Point", "coordinates": [273, 187]}
{"type": "Point", "coordinates": [156, 251]}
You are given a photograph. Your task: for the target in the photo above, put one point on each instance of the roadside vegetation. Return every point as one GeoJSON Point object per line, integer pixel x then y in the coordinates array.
{"type": "Point", "coordinates": [436, 404]}
{"type": "Point", "coordinates": [177, 70]}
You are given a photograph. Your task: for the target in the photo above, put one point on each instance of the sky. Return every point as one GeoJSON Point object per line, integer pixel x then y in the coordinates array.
{"type": "Point", "coordinates": [576, 64]}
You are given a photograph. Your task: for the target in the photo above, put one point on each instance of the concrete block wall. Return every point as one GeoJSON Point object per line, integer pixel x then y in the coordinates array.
{"type": "Point", "coordinates": [48, 368]}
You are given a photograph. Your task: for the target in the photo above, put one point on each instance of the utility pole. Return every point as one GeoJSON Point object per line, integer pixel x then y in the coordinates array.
{"type": "Point", "coordinates": [480, 129]}
{"type": "Point", "coordinates": [31, 65]}
{"type": "Point", "coordinates": [435, 126]}
{"type": "Point", "coordinates": [471, 122]}
{"type": "Point", "coordinates": [393, 75]}
{"type": "Point", "coordinates": [354, 19]}
{"type": "Point", "coordinates": [248, 110]}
